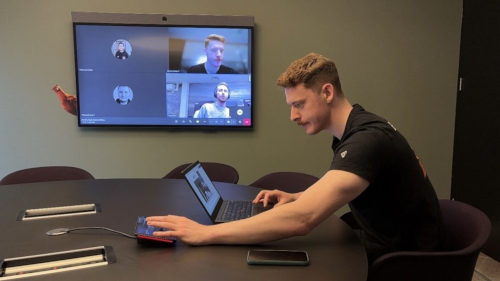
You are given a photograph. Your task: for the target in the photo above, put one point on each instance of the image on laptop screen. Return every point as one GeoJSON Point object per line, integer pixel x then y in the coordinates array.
{"type": "Point", "coordinates": [203, 187]}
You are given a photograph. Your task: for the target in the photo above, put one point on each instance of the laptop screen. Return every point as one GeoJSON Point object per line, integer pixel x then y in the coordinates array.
{"type": "Point", "coordinates": [202, 187]}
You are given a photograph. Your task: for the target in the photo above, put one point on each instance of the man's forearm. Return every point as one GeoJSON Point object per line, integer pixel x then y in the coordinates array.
{"type": "Point", "coordinates": [277, 223]}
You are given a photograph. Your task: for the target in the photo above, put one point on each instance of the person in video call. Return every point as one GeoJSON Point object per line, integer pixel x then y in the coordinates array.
{"type": "Point", "coordinates": [217, 109]}
{"type": "Point", "coordinates": [121, 53]}
{"type": "Point", "coordinates": [374, 170]}
{"type": "Point", "coordinates": [214, 50]}
{"type": "Point", "coordinates": [123, 95]}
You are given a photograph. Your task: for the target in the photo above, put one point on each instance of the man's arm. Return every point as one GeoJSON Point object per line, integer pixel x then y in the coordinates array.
{"type": "Point", "coordinates": [332, 191]}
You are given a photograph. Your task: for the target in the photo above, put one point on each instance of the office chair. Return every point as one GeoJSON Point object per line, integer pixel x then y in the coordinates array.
{"type": "Point", "coordinates": [466, 228]}
{"type": "Point", "coordinates": [215, 171]}
{"type": "Point", "coordinates": [291, 182]}
{"type": "Point", "coordinates": [46, 173]}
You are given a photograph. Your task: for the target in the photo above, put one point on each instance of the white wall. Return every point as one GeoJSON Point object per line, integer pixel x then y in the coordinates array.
{"type": "Point", "coordinates": [398, 59]}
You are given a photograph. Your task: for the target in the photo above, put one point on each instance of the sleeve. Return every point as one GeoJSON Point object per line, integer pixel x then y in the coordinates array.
{"type": "Point", "coordinates": [365, 154]}
{"type": "Point", "coordinates": [203, 111]}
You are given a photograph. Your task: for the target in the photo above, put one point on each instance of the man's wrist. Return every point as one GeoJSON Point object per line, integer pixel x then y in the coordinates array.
{"type": "Point", "coordinates": [211, 235]}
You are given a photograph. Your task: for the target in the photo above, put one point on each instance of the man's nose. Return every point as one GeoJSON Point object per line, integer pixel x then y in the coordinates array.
{"type": "Point", "coordinates": [294, 115]}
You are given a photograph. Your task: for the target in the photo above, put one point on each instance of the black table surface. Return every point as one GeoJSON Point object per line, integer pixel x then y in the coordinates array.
{"type": "Point", "coordinates": [335, 251]}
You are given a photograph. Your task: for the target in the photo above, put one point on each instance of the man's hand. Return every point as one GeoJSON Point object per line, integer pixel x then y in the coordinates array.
{"type": "Point", "coordinates": [277, 197]}
{"type": "Point", "coordinates": [188, 231]}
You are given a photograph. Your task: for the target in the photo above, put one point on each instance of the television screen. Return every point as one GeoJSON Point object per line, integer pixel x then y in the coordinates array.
{"type": "Point", "coordinates": [163, 70]}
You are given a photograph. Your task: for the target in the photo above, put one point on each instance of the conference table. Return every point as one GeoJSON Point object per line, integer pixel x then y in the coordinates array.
{"type": "Point", "coordinates": [334, 250]}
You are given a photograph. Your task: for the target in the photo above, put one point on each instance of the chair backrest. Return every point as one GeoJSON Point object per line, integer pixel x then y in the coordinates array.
{"type": "Point", "coordinates": [466, 228]}
{"type": "Point", "coordinates": [47, 173]}
{"type": "Point", "coordinates": [286, 181]}
{"type": "Point", "coordinates": [215, 171]}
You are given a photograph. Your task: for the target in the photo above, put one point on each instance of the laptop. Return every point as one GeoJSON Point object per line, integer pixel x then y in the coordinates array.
{"type": "Point", "coordinates": [218, 209]}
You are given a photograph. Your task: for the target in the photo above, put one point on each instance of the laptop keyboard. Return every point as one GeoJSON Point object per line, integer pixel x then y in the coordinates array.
{"type": "Point", "coordinates": [235, 210]}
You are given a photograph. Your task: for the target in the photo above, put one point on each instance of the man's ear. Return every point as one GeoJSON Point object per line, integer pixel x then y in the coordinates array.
{"type": "Point", "coordinates": [328, 91]}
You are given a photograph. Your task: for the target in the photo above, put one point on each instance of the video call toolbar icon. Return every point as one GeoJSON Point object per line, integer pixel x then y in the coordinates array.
{"type": "Point", "coordinates": [245, 122]}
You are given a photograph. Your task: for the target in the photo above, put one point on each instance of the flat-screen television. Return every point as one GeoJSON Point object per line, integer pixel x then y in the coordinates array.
{"type": "Point", "coordinates": [190, 71]}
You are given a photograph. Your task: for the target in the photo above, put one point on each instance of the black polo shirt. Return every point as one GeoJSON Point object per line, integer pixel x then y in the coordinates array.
{"type": "Point", "coordinates": [200, 68]}
{"type": "Point", "coordinates": [399, 209]}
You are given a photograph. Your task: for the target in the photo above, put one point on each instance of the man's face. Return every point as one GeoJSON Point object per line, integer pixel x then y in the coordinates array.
{"type": "Point", "coordinates": [222, 93]}
{"type": "Point", "coordinates": [308, 109]}
{"type": "Point", "coordinates": [215, 53]}
{"type": "Point", "coordinates": [123, 93]}
{"type": "Point", "coordinates": [121, 47]}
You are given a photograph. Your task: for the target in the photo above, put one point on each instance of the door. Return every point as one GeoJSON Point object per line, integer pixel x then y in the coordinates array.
{"type": "Point", "coordinates": [476, 169]}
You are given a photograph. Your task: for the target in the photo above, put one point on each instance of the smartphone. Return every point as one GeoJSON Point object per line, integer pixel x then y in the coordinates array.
{"type": "Point", "coordinates": [277, 257]}
{"type": "Point", "coordinates": [144, 233]}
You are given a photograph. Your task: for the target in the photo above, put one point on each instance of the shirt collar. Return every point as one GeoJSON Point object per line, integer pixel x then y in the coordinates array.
{"type": "Point", "coordinates": [355, 109]}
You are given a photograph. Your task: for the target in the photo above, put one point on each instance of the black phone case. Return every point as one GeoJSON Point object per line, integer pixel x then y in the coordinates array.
{"type": "Point", "coordinates": [277, 261]}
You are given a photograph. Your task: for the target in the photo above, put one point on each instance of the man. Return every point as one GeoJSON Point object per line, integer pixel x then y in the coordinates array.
{"type": "Point", "coordinates": [123, 95]}
{"type": "Point", "coordinates": [121, 53]}
{"type": "Point", "coordinates": [217, 109]}
{"type": "Point", "coordinates": [214, 50]}
{"type": "Point", "coordinates": [373, 169]}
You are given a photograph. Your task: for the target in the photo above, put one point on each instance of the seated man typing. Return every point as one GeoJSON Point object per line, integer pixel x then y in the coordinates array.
{"type": "Point", "coordinates": [374, 170]}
